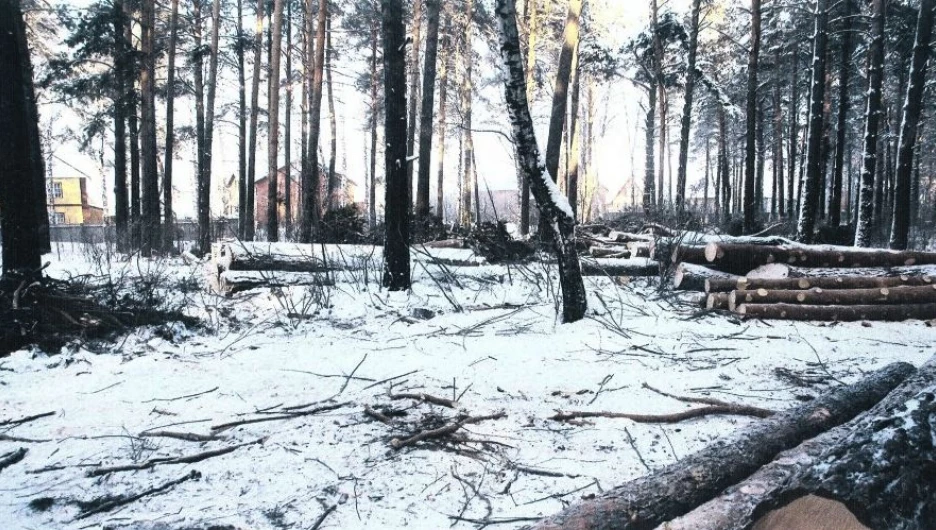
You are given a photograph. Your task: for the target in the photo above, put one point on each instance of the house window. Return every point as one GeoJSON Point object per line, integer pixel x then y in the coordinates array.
{"type": "Point", "coordinates": [58, 218]}
{"type": "Point", "coordinates": [57, 190]}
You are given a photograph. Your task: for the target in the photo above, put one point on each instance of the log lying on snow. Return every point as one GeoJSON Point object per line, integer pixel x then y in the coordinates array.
{"type": "Point", "coordinates": [253, 256]}
{"type": "Point", "coordinates": [620, 267]}
{"type": "Point", "coordinates": [780, 270]}
{"type": "Point", "coordinates": [690, 246]}
{"type": "Point", "coordinates": [609, 252]}
{"type": "Point", "coordinates": [742, 258]}
{"type": "Point", "coordinates": [230, 282]}
{"type": "Point", "coordinates": [838, 313]}
{"type": "Point", "coordinates": [716, 284]}
{"type": "Point", "coordinates": [651, 500]}
{"type": "Point", "coordinates": [692, 277]}
{"type": "Point", "coordinates": [879, 466]}
{"type": "Point", "coordinates": [818, 296]}
{"type": "Point", "coordinates": [718, 301]}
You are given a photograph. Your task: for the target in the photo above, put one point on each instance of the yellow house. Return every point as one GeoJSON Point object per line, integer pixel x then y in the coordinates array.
{"type": "Point", "coordinates": [69, 205]}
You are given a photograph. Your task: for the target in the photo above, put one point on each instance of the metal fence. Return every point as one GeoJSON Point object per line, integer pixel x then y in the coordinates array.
{"type": "Point", "coordinates": [183, 231]}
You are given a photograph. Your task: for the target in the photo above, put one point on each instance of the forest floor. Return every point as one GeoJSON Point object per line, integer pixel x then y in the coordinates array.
{"type": "Point", "coordinates": [296, 370]}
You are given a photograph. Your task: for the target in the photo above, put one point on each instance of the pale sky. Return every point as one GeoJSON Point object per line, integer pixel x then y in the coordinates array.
{"type": "Point", "coordinates": [618, 105]}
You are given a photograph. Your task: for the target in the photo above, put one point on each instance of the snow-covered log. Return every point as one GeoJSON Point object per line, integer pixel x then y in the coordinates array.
{"type": "Point", "coordinates": [838, 313]}
{"type": "Point", "coordinates": [819, 296]}
{"type": "Point", "coordinates": [743, 258]}
{"type": "Point", "coordinates": [690, 246]}
{"type": "Point", "coordinates": [717, 301]}
{"type": "Point", "coordinates": [609, 252]}
{"type": "Point", "coordinates": [877, 468]}
{"type": "Point", "coordinates": [782, 270]}
{"type": "Point", "coordinates": [691, 277]}
{"type": "Point", "coordinates": [230, 282]}
{"type": "Point", "coordinates": [620, 267]}
{"type": "Point", "coordinates": [675, 490]}
{"type": "Point", "coordinates": [714, 285]}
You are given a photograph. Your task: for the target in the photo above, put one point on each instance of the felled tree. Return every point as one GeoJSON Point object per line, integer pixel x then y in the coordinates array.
{"type": "Point", "coordinates": [24, 221]}
{"type": "Point", "coordinates": [553, 206]}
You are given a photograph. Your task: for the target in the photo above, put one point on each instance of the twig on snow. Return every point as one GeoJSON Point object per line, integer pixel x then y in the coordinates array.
{"type": "Point", "coordinates": [12, 457]}
{"type": "Point", "coordinates": [27, 419]}
{"type": "Point", "coordinates": [106, 504]}
{"type": "Point", "coordinates": [443, 431]}
{"type": "Point", "coordinates": [191, 459]}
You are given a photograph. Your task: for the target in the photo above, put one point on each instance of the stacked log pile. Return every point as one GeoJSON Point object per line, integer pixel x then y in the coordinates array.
{"type": "Point", "coordinates": [773, 278]}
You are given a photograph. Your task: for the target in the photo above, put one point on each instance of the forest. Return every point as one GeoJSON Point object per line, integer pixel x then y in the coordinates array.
{"type": "Point", "coordinates": [539, 264]}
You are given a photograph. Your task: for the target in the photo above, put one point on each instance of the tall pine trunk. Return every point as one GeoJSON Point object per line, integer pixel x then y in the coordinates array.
{"type": "Point", "coordinates": [150, 177]}
{"type": "Point", "coordinates": [433, 8]}
{"type": "Point", "coordinates": [443, 97]}
{"type": "Point", "coordinates": [241, 125]}
{"type": "Point", "coordinates": [649, 195]}
{"type": "Point", "coordinates": [169, 233]}
{"type": "Point", "coordinates": [24, 221]}
{"type": "Point", "coordinates": [467, 96]}
{"type": "Point", "coordinates": [909, 125]}
{"type": "Point", "coordinates": [686, 122]}
{"type": "Point", "coordinates": [532, 6]}
{"type": "Point", "coordinates": [835, 198]}
{"type": "Point", "coordinates": [121, 198]}
{"type": "Point", "coordinates": [287, 133]}
{"type": "Point", "coordinates": [551, 203]}
{"type": "Point", "coordinates": [372, 200]}
{"type": "Point", "coordinates": [397, 208]}
{"type": "Point", "coordinates": [811, 187]}
{"type": "Point", "coordinates": [794, 130]}
{"type": "Point", "coordinates": [332, 122]}
{"type": "Point", "coordinates": [574, 155]}
{"type": "Point", "coordinates": [413, 90]}
{"type": "Point", "coordinates": [311, 200]}
{"type": "Point", "coordinates": [276, 36]}
{"type": "Point", "coordinates": [751, 208]}
{"type": "Point", "coordinates": [250, 217]}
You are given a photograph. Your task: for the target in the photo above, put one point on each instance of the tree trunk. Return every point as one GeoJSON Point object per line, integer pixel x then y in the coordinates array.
{"type": "Point", "coordinates": [835, 198]}
{"type": "Point", "coordinates": [433, 8]}
{"type": "Point", "coordinates": [169, 232]}
{"type": "Point", "coordinates": [24, 223]}
{"type": "Point", "coordinates": [311, 201]}
{"type": "Point", "coordinates": [552, 205]}
{"type": "Point", "coordinates": [794, 131]}
{"type": "Point", "coordinates": [533, 25]}
{"type": "Point", "coordinates": [838, 313]}
{"type": "Point", "coordinates": [687, 114]}
{"type": "Point", "coordinates": [913, 107]}
{"type": "Point", "coordinates": [777, 203]}
{"type": "Point", "coordinates": [750, 206]}
{"type": "Point", "coordinates": [443, 97]}
{"type": "Point", "coordinates": [692, 277]}
{"type": "Point", "coordinates": [372, 199]}
{"type": "Point", "coordinates": [723, 164]}
{"type": "Point", "coordinates": [276, 40]}
{"type": "Point", "coordinates": [872, 120]}
{"type": "Point", "coordinates": [397, 208]}
{"type": "Point", "coordinates": [333, 183]}
{"type": "Point", "coordinates": [287, 137]}
{"type": "Point", "coordinates": [649, 195]}
{"type": "Point", "coordinates": [467, 97]}
{"type": "Point", "coordinates": [198, 68]}
{"type": "Point", "coordinates": [811, 187]}
{"type": "Point", "coordinates": [121, 79]}
{"type": "Point", "coordinates": [891, 437]}
{"type": "Point", "coordinates": [413, 108]}
{"type": "Point", "coordinates": [570, 40]}
{"type": "Point", "coordinates": [132, 106]}
{"type": "Point", "coordinates": [250, 219]}
{"type": "Point", "coordinates": [150, 178]}
{"type": "Point", "coordinates": [241, 126]}
{"type": "Point", "coordinates": [675, 490]}
{"type": "Point", "coordinates": [574, 154]}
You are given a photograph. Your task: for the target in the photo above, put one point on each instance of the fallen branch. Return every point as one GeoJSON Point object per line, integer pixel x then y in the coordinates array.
{"type": "Point", "coordinates": [27, 419]}
{"type": "Point", "coordinates": [108, 503]}
{"type": "Point", "coordinates": [12, 457]}
{"type": "Point", "coordinates": [443, 431]}
{"type": "Point", "coordinates": [321, 518]}
{"type": "Point", "coordinates": [186, 436]}
{"type": "Point", "coordinates": [288, 416]}
{"type": "Point", "coordinates": [164, 461]}
{"type": "Point", "coordinates": [442, 402]}
{"type": "Point", "coordinates": [383, 418]}
{"type": "Point", "coordinates": [676, 417]}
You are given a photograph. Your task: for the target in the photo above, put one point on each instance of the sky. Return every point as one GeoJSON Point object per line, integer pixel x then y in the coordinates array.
{"type": "Point", "coordinates": [618, 104]}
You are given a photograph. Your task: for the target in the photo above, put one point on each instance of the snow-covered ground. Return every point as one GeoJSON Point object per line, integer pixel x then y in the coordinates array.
{"type": "Point", "coordinates": [489, 337]}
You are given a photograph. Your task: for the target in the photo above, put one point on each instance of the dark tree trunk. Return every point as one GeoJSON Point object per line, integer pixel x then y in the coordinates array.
{"type": "Point", "coordinates": [751, 207]}
{"type": "Point", "coordinates": [570, 39]}
{"type": "Point", "coordinates": [532, 13]}
{"type": "Point", "coordinates": [397, 208]}
{"type": "Point", "coordinates": [169, 233]}
{"type": "Point", "coordinates": [909, 125]}
{"type": "Point", "coordinates": [311, 201]}
{"type": "Point", "coordinates": [287, 138]}
{"type": "Point", "coordinates": [574, 153]}
{"type": "Point", "coordinates": [835, 198]}
{"type": "Point", "coordinates": [372, 200]}
{"type": "Point", "coordinates": [24, 222]}
{"type": "Point", "coordinates": [794, 131]}
{"type": "Point", "coordinates": [199, 82]}
{"type": "Point", "coordinates": [649, 195]}
{"type": "Point", "coordinates": [687, 114]}
{"type": "Point", "coordinates": [425, 115]}
{"type": "Point", "coordinates": [121, 199]}
{"type": "Point", "coordinates": [250, 219]}
{"type": "Point", "coordinates": [551, 203]}
{"type": "Point", "coordinates": [777, 203]}
{"type": "Point", "coordinates": [723, 165]}
{"type": "Point", "coordinates": [332, 122]}
{"type": "Point", "coordinates": [443, 97]}
{"type": "Point", "coordinates": [413, 108]}
{"type": "Point", "coordinates": [276, 37]}
{"type": "Point", "coordinates": [150, 177]}
{"type": "Point", "coordinates": [811, 187]}
{"type": "Point", "coordinates": [241, 126]}
{"type": "Point", "coordinates": [870, 164]}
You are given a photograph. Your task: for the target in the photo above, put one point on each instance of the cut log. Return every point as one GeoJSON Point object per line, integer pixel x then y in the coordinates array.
{"type": "Point", "coordinates": [663, 249]}
{"type": "Point", "coordinates": [627, 237]}
{"type": "Point", "coordinates": [823, 282]}
{"type": "Point", "coordinates": [446, 243]}
{"type": "Point", "coordinates": [718, 301]}
{"type": "Point", "coordinates": [620, 267]}
{"type": "Point", "coordinates": [639, 249]}
{"type": "Point", "coordinates": [661, 496]}
{"type": "Point", "coordinates": [779, 270]}
{"type": "Point", "coordinates": [819, 296]}
{"type": "Point", "coordinates": [838, 313]}
{"type": "Point", "coordinates": [609, 252]}
{"type": "Point", "coordinates": [743, 258]}
{"type": "Point", "coordinates": [895, 437]}
{"type": "Point", "coordinates": [592, 230]}
{"type": "Point", "coordinates": [230, 282]}
{"type": "Point", "coordinates": [691, 277]}
{"type": "Point", "coordinates": [252, 256]}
